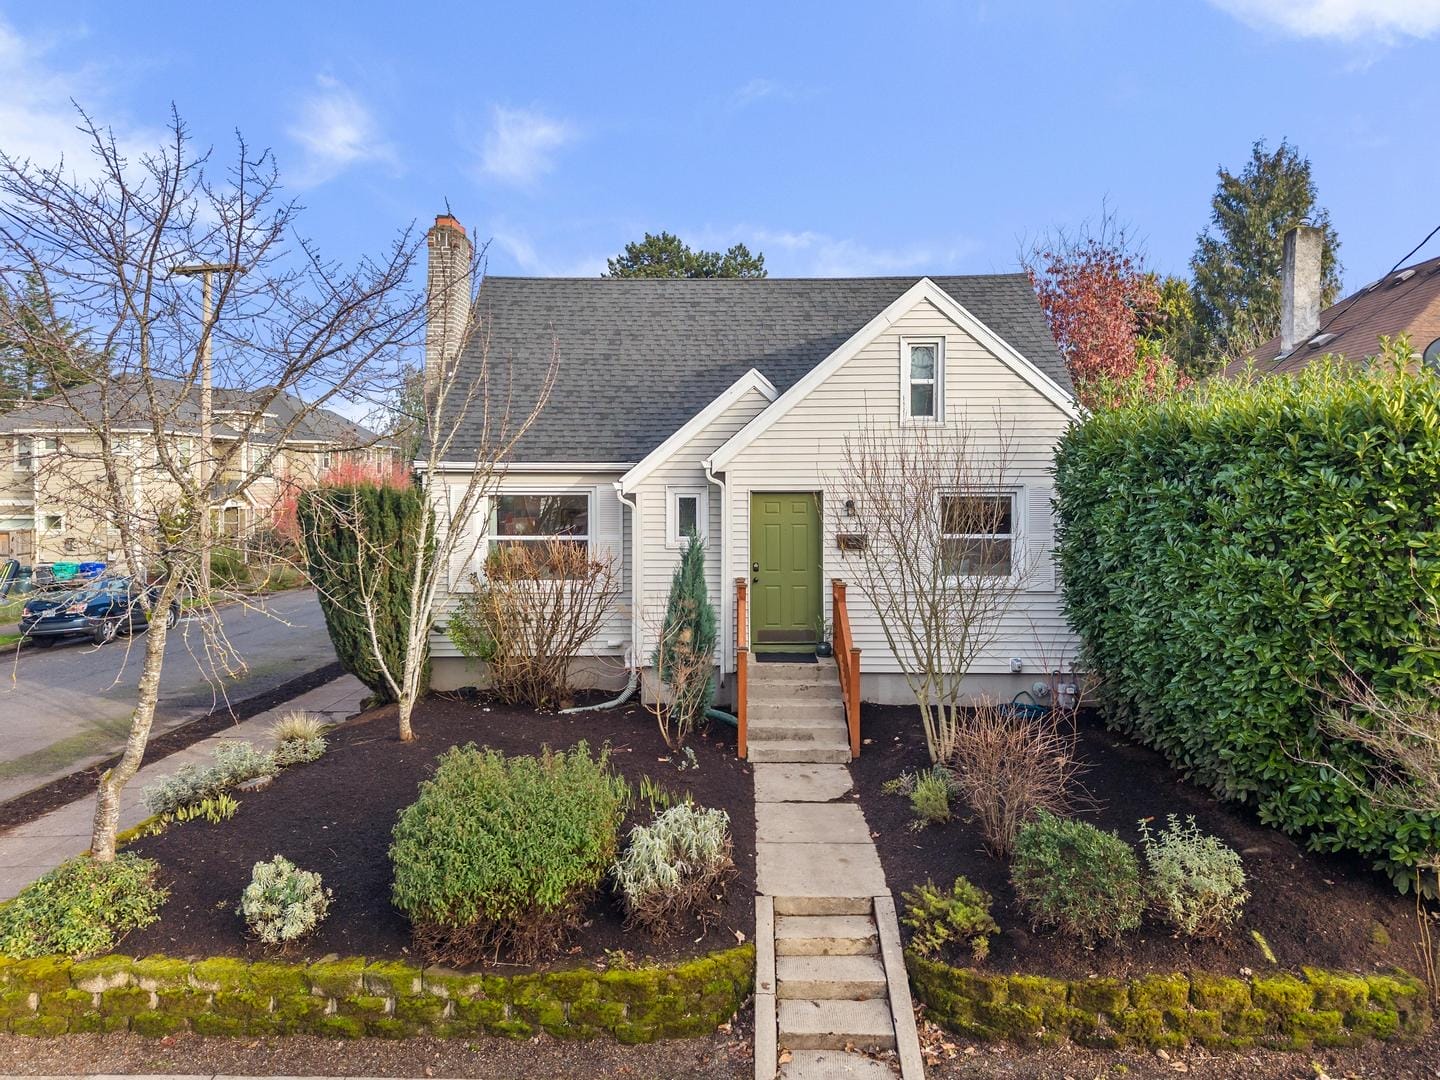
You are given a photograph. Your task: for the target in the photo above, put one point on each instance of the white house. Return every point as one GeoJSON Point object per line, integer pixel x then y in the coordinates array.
{"type": "Point", "coordinates": [724, 405]}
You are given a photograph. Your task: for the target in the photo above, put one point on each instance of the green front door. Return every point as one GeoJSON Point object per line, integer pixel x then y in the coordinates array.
{"type": "Point", "coordinates": [784, 571]}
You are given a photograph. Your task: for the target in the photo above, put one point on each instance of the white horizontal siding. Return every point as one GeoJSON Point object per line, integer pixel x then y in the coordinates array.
{"type": "Point", "coordinates": [608, 535]}
{"type": "Point", "coordinates": [804, 451]}
{"type": "Point", "coordinates": [683, 470]}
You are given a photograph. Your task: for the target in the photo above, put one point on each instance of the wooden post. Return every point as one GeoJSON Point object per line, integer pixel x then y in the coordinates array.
{"type": "Point", "coordinates": [852, 703]}
{"type": "Point", "coordinates": [742, 663]}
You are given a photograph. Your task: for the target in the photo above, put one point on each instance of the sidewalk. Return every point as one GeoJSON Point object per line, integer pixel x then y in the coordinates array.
{"type": "Point", "coordinates": [29, 850]}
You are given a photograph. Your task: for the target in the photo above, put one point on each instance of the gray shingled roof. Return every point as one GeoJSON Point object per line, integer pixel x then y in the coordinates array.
{"type": "Point", "coordinates": [640, 357]}
{"type": "Point", "coordinates": [128, 404]}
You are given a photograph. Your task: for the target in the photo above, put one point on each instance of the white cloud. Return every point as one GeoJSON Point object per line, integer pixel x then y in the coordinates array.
{"type": "Point", "coordinates": [816, 254]}
{"type": "Point", "coordinates": [1381, 21]}
{"type": "Point", "coordinates": [336, 130]}
{"type": "Point", "coordinates": [520, 146]}
{"type": "Point", "coordinates": [37, 118]}
{"type": "Point", "coordinates": [527, 259]}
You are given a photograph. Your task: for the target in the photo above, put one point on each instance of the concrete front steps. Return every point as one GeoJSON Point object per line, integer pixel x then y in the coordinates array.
{"type": "Point", "coordinates": [795, 713]}
{"type": "Point", "coordinates": [830, 987]}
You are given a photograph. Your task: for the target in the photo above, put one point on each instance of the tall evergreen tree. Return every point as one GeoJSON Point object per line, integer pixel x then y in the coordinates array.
{"type": "Point", "coordinates": [1237, 261]}
{"type": "Point", "coordinates": [40, 351]}
{"type": "Point", "coordinates": [350, 582]}
{"type": "Point", "coordinates": [667, 256]}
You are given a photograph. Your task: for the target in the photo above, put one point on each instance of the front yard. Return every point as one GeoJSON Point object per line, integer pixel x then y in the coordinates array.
{"type": "Point", "coordinates": [335, 817]}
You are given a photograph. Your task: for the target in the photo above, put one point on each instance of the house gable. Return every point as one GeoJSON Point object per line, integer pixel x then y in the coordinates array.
{"type": "Point", "coordinates": [923, 291]}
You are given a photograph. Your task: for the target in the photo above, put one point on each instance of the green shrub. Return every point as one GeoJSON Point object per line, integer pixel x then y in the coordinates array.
{"type": "Point", "coordinates": [283, 903]}
{"type": "Point", "coordinates": [228, 568]}
{"type": "Point", "coordinates": [676, 868]}
{"type": "Point", "coordinates": [940, 922]}
{"type": "Point", "coordinates": [500, 854]}
{"type": "Point", "coordinates": [930, 798]}
{"type": "Point", "coordinates": [1228, 552]}
{"type": "Point", "coordinates": [1195, 882]}
{"type": "Point", "coordinates": [390, 520]}
{"type": "Point", "coordinates": [1076, 878]}
{"type": "Point", "coordinates": [234, 762]}
{"type": "Point", "coordinates": [82, 907]}
{"type": "Point", "coordinates": [685, 657]}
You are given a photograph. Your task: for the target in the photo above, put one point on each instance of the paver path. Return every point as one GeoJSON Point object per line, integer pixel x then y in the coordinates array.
{"type": "Point", "coordinates": [29, 850]}
{"type": "Point", "coordinates": [830, 978]}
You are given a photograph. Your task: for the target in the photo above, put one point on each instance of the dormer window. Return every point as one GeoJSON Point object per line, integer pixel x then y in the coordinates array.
{"type": "Point", "coordinates": [922, 375]}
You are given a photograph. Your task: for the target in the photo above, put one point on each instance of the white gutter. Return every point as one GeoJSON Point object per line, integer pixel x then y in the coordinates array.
{"type": "Point", "coordinates": [634, 571]}
{"type": "Point", "coordinates": [724, 565]}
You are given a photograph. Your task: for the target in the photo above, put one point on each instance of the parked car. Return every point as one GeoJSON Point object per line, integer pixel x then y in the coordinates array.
{"type": "Point", "coordinates": [102, 609]}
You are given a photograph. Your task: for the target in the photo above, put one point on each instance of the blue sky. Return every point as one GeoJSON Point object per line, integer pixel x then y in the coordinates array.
{"type": "Point", "coordinates": [838, 138]}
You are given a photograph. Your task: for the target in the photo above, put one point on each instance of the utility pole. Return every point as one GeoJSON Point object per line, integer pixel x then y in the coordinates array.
{"type": "Point", "coordinates": [207, 319]}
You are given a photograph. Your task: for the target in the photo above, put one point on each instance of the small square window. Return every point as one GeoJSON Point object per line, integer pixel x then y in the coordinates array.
{"type": "Point", "coordinates": [54, 523]}
{"type": "Point", "coordinates": [977, 535]}
{"type": "Point", "coordinates": [686, 514]}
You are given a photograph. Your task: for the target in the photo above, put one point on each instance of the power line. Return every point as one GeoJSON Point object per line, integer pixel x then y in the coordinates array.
{"type": "Point", "coordinates": [1366, 291]}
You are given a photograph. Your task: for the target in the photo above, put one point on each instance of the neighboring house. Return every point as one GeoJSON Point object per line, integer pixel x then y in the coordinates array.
{"type": "Point", "coordinates": [50, 463]}
{"type": "Point", "coordinates": [723, 406]}
{"type": "Point", "coordinates": [1405, 301]}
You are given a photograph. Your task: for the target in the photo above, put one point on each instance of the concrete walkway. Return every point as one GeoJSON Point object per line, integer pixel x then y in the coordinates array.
{"type": "Point", "coordinates": [29, 850]}
{"type": "Point", "coordinates": [830, 978]}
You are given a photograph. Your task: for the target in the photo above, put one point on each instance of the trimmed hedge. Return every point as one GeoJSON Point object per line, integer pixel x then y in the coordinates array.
{"type": "Point", "coordinates": [1169, 1011]}
{"type": "Point", "coordinates": [1221, 547]}
{"type": "Point", "coordinates": [347, 998]}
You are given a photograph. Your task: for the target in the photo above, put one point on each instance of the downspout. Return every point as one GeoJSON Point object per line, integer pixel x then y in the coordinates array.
{"type": "Point", "coordinates": [632, 651]}
{"type": "Point", "coordinates": [718, 714]}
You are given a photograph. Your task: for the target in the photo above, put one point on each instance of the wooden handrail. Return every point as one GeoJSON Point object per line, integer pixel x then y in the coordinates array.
{"type": "Point", "coordinates": [847, 662]}
{"type": "Point", "coordinates": [742, 662]}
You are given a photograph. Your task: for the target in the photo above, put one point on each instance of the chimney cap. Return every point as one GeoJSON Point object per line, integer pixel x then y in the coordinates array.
{"type": "Point", "coordinates": [448, 221]}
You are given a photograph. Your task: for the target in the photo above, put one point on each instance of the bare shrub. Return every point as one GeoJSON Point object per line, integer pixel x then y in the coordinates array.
{"type": "Point", "coordinates": [1009, 763]}
{"type": "Point", "coordinates": [941, 564]}
{"type": "Point", "coordinates": [535, 609]}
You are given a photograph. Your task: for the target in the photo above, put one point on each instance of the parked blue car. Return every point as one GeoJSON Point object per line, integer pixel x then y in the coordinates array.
{"type": "Point", "coordinates": [101, 609]}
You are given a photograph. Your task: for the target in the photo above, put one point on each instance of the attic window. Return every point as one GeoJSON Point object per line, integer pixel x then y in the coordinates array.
{"type": "Point", "coordinates": [922, 379]}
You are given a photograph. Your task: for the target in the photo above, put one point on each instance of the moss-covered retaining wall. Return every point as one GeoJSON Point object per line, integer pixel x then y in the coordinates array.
{"type": "Point", "coordinates": [1277, 1010]}
{"type": "Point", "coordinates": [157, 995]}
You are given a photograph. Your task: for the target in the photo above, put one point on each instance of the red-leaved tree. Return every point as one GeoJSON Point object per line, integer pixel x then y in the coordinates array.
{"type": "Point", "coordinates": [1098, 297]}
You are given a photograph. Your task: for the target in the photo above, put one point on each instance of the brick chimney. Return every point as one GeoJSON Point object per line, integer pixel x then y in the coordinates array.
{"type": "Point", "coordinates": [447, 284]}
{"type": "Point", "coordinates": [1300, 287]}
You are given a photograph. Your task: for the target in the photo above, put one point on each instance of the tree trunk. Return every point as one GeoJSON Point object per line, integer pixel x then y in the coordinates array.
{"type": "Point", "coordinates": [107, 802]}
{"type": "Point", "coordinates": [405, 706]}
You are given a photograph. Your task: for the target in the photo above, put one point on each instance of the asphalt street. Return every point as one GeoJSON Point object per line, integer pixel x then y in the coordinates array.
{"type": "Point", "coordinates": [68, 706]}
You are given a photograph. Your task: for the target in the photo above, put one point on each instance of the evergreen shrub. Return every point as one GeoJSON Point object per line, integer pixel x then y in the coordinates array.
{"type": "Point", "coordinates": [1081, 880]}
{"type": "Point", "coordinates": [499, 855]}
{"type": "Point", "coordinates": [1228, 552]}
{"type": "Point", "coordinates": [389, 520]}
{"type": "Point", "coordinates": [82, 907]}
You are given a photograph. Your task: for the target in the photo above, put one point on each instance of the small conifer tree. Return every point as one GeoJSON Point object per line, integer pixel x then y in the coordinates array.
{"type": "Point", "coordinates": [359, 588]}
{"type": "Point", "coordinates": [685, 657]}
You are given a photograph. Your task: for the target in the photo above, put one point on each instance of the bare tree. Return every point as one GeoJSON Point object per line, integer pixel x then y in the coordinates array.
{"type": "Point", "coordinates": [1401, 732]}
{"type": "Point", "coordinates": [288, 329]}
{"type": "Point", "coordinates": [463, 419]}
{"type": "Point", "coordinates": [936, 552]}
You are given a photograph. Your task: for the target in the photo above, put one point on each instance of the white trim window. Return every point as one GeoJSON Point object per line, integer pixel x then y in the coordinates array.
{"type": "Point", "coordinates": [52, 523]}
{"type": "Point", "coordinates": [979, 535]}
{"type": "Point", "coordinates": [527, 518]}
{"type": "Point", "coordinates": [922, 379]}
{"type": "Point", "coordinates": [29, 447]}
{"type": "Point", "coordinates": [687, 510]}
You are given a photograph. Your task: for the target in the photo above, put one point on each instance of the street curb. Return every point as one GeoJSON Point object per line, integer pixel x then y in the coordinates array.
{"type": "Point", "coordinates": [80, 783]}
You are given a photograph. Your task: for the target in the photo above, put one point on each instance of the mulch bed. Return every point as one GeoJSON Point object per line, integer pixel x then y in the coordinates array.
{"type": "Point", "coordinates": [335, 816]}
{"type": "Point", "coordinates": [1313, 909]}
